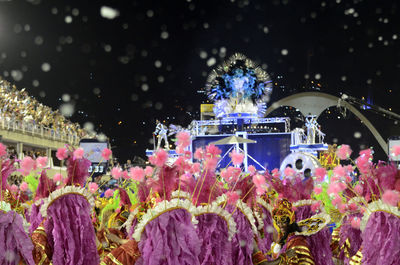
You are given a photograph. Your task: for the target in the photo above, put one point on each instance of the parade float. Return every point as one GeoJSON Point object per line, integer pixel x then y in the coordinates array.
{"type": "Point", "coordinates": [240, 91]}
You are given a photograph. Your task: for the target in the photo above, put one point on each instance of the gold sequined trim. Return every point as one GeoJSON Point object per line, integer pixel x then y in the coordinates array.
{"type": "Point", "coordinates": [114, 259]}
{"type": "Point", "coordinates": [41, 232]}
{"type": "Point", "coordinates": [301, 247]}
{"type": "Point", "coordinates": [304, 260]}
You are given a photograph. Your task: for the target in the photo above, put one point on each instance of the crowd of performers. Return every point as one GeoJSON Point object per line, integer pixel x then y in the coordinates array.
{"type": "Point", "coordinates": [183, 212]}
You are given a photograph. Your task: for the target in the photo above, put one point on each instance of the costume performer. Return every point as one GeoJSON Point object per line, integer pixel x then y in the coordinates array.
{"type": "Point", "coordinates": [162, 134]}
{"type": "Point", "coordinates": [291, 249]}
{"type": "Point", "coordinates": [68, 225]}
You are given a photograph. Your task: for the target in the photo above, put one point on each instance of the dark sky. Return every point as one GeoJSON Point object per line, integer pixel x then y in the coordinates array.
{"type": "Point", "coordinates": [150, 60]}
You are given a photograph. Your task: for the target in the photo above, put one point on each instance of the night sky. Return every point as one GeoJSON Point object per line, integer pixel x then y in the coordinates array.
{"type": "Point", "coordinates": [150, 61]}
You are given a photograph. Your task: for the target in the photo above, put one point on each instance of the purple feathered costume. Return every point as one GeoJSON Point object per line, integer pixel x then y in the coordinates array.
{"type": "Point", "coordinates": [170, 239]}
{"type": "Point", "coordinates": [264, 244]}
{"type": "Point", "coordinates": [242, 242]}
{"type": "Point", "coordinates": [214, 235]}
{"type": "Point", "coordinates": [14, 242]}
{"type": "Point", "coordinates": [69, 226]}
{"type": "Point", "coordinates": [381, 239]}
{"type": "Point", "coordinates": [320, 242]}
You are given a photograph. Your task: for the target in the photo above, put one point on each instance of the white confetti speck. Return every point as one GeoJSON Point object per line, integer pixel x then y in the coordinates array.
{"type": "Point", "coordinates": [67, 109]}
{"type": "Point", "coordinates": [68, 19]}
{"type": "Point", "coordinates": [46, 67]}
{"type": "Point", "coordinates": [109, 12]}
{"type": "Point", "coordinates": [211, 61]}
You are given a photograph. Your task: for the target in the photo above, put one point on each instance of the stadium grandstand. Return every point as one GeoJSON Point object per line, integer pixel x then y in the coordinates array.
{"type": "Point", "coordinates": [27, 127]}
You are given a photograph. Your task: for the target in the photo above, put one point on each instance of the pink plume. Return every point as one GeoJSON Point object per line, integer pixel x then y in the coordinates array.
{"type": "Point", "coordinates": [116, 172]}
{"type": "Point", "coordinates": [232, 197]}
{"type": "Point", "coordinates": [289, 172]}
{"type": "Point", "coordinates": [109, 193]}
{"type": "Point", "coordinates": [27, 164]}
{"type": "Point", "coordinates": [335, 188]}
{"type": "Point", "coordinates": [41, 161]}
{"type": "Point", "coordinates": [234, 173]}
{"type": "Point", "coordinates": [315, 206]}
{"type": "Point", "coordinates": [225, 175]}
{"type": "Point", "coordinates": [211, 163]}
{"type": "Point", "coordinates": [195, 168]}
{"type": "Point", "coordinates": [148, 171]}
{"type": "Point", "coordinates": [78, 153]}
{"type": "Point", "coordinates": [342, 207]}
{"type": "Point", "coordinates": [355, 223]}
{"type": "Point", "coordinates": [367, 153]}
{"type": "Point", "coordinates": [182, 163]}
{"type": "Point", "coordinates": [364, 164]}
{"type": "Point", "coordinates": [57, 177]}
{"type": "Point", "coordinates": [106, 153]}
{"type": "Point", "coordinates": [24, 186]}
{"type": "Point", "coordinates": [252, 169]}
{"type": "Point", "coordinates": [259, 180]}
{"type": "Point", "coordinates": [78, 171]}
{"type": "Point", "coordinates": [93, 187]}
{"type": "Point", "coordinates": [62, 153]}
{"type": "Point", "coordinates": [339, 171]}
{"type": "Point", "coordinates": [337, 200]}
{"type": "Point", "coordinates": [391, 197]}
{"type": "Point", "coordinates": [343, 152]}
{"type": "Point", "coordinates": [359, 189]}
{"type": "Point", "coordinates": [212, 151]}
{"type": "Point", "coordinates": [187, 154]}
{"type": "Point", "coordinates": [159, 158]}
{"type": "Point", "coordinates": [137, 173]}
{"type": "Point", "coordinates": [260, 191]}
{"type": "Point", "coordinates": [14, 188]}
{"type": "Point", "coordinates": [237, 157]}
{"type": "Point", "coordinates": [183, 139]}
{"type": "Point", "coordinates": [179, 149]}
{"type": "Point", "coordinates": [317, 190]}
{"type": "Point", "coordinates": [3, 150]}
{"type": "Point", "coordinates": [199, 153]}
{"type": "Point", "coordinates": [125, 174]}
{"type": "Point", "coordinates": [45, 186]}
{"type": "Point", "coordinates": [353, 207]}
{"type": "Point", "coordinates": [275, 173]}
{"type": "Point", "coordinates": [320, 174]}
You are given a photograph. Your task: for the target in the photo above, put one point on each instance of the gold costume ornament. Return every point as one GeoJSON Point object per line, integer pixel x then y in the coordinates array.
{"type": "Point", "coordinates": [329, 159]}
{"type": "Point", "coordinates": [314, 224]}
{"type": "Point", "coordinates": [283, 211]}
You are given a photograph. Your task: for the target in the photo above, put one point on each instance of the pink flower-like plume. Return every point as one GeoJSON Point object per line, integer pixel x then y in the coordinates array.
{"type": "Point", "coordinates": [343, 152]}
{"type": "Point", "coordinates": [106, 153]}
{"type": "Point", "coordinates": [78, 153]}
{"type": "Point", "coordinates": [62, 153]}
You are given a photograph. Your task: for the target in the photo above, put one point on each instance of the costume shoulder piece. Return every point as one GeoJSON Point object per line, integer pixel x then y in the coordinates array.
{"type": "Point", "coordinates": [63, 192]}
{"type": "Point", "coordinates": [378, 206]}
{"type": "Point", "coordinates": [163, 207]}
{"type": "Point", "coordinates": [314, 224]}
{"type": "Point", "coordinates": [264, 204]}
{"type": "Point", "coordinates": [181, 194]}
{"type": "Point", "coordinates": [214, 208]}
{"type": "Point", "coordinates": [248, 212]}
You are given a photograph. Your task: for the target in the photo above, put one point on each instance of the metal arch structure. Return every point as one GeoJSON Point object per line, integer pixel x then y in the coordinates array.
{"type": "Point", "coordinates": [316, 102]}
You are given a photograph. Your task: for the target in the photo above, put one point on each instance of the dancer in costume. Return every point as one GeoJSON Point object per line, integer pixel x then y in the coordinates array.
{"type": "Point", "coordinates": [15, 244]}
{"type": "Point", "coordinates": [68, 225]}
{"type": "Point", "coordinates": [162, 134]}
{"type": "Point", "coordinates": [291, 248]}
